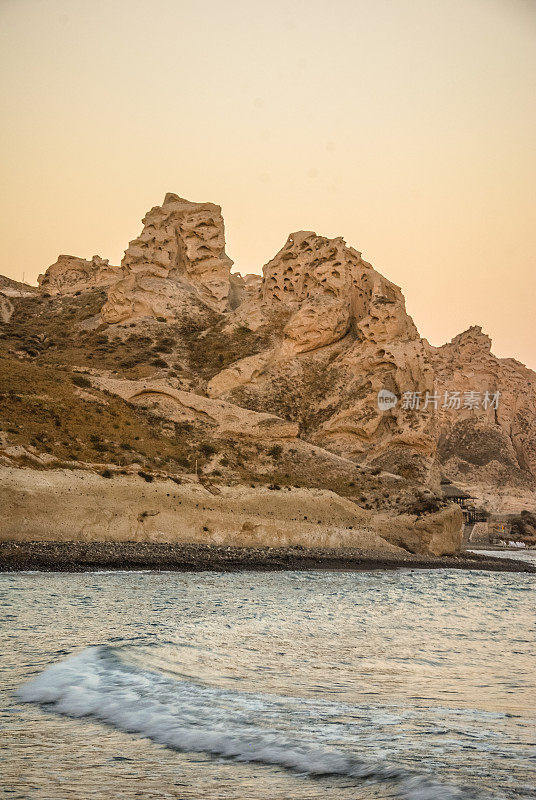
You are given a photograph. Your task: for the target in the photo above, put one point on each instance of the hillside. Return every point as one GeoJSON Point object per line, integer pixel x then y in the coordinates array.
{"type": "Point", "coordinates": [172, 366]}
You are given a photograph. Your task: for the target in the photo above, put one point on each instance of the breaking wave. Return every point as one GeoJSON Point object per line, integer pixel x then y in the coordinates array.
{"type": "Point", "coordinates": [193, 717]}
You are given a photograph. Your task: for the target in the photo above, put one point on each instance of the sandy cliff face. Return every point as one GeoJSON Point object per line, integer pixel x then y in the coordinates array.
{"type": "Point", "coordinates": [60, 505]}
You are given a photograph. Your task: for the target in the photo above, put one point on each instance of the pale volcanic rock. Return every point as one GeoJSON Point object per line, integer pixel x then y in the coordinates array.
{"type": "Point", "coordinates": [317, 323]}
{"type": "Point", "coordinates": [327, 289]}
{"type": "Point", "coordinates": [434, 534]}
{"type": "Point", "coordinates": [296, 356]}
{"type": "Point", "coordinates": [240, 373]}
{"type": "Point", "coordinates": [310, 267]}
{"type": "Point", "coordinates": [70, 274]}
{"type": "Point", "coordinates": [475, 443]}
{"type": "Point", "coordinates": [75, 505]}
{"type": "Point", "coordinates": [244, 288]}
{"type": "Point", "coordinates": [332, 297]}
{"type": "Point", "coordinates": [400, 440]}
{"type": "Point", "coordinates": [181, 249]}
{"type": "Point", "coordinates": [148, 295]}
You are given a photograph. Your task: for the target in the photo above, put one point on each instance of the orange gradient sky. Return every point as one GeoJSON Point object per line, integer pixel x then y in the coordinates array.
{"type": "Point", "coordinates": [406, 126]}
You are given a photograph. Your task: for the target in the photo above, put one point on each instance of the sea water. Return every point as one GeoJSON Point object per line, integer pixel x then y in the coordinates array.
{"type": "Point", "coordinates": [405, 684]}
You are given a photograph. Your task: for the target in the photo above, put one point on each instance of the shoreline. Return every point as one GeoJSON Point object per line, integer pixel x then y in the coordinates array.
{"type": "Point", "coordinates": [70, 556]}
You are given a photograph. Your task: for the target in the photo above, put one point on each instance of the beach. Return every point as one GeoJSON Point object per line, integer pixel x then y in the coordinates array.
{"type": "Point", "coordinates": [89, 556]}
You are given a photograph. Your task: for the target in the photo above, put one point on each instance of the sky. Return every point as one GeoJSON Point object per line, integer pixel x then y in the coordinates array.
{"type": "Point", "coordinates": [406, 126]}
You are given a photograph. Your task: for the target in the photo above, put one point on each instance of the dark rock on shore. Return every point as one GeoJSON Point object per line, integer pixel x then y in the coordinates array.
{"type": "Point", "coordinates": [94, 556]}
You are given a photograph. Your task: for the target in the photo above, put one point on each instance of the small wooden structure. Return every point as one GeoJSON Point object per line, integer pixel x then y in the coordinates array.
{"type": "Point", "coordinates": [457, 495]}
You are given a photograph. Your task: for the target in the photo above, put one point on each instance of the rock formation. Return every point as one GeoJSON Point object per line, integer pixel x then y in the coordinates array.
{"type": "Point", "coordinates": [179, 253]}
{"type": "Point", "coordinates": [63, 506]}
{"type": "Point", "coordinates": [310, 268]}
{"type": "Point", "coordinates": [333, 332]}
{"type": "Point", "coordinates": [487, 432]}
{"type": "Point", "coordinates": [329, 295]}
{"type": "Point", "coordinates": [258, 379]}
{"type": "Point", "coordinates": [226, 418]}
{"type": "Point", "coordinates": [71, 274]}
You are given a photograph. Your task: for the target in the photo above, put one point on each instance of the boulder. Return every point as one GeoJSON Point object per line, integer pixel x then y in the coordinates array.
{"type": "Point", "coordinates": [438, 534]}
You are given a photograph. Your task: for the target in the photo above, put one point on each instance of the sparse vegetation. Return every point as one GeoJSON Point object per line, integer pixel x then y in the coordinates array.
{"type": "Point", "coordinates": [275, 452]}
{"type": "Point", "coordinates": [41, 407]}
{"type": "Point", "coordinates": [207, 449]}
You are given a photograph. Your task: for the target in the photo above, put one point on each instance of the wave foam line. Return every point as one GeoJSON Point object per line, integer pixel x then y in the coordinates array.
{"type": "Point", "coordinates": [192, 718]}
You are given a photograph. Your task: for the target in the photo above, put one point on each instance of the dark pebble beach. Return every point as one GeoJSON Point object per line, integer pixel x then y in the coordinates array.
{"type": "Point", "coordinates": [161, 556]}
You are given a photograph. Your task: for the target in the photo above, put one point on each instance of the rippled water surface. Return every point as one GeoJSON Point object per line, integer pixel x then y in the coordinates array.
{"type": "Point", "coordinates": [408, 684]}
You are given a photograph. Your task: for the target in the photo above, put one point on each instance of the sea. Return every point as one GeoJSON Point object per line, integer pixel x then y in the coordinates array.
{"type": "Point", "coordinates": [412, 684]}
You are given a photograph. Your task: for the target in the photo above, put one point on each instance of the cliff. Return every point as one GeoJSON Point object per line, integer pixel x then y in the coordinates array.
{"type": "Point", "coordinates": [65, 505]}
{"type": "Point", "coordinates": [171, 365]}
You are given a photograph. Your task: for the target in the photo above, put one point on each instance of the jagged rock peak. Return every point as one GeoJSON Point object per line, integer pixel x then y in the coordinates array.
{"type": "Point", "coordinates": [181, 247]}
{"type": "Point", "coordinates": [309, 265]}
{"type": "Point", "coordinates": [312, 271]}
{"type": "Point", "coordinates": [173, 198]}
{"type": "Point", "coordinates": [188, 240]}
{"type": "Point", "coordinates": [472, 339]}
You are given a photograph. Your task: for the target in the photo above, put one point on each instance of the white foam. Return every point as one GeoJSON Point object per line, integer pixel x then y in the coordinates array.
{"type": "Point", "coordinates": [191, 717]}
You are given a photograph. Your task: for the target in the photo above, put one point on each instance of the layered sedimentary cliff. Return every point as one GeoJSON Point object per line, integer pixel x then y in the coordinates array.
{"type": "Point", "coordinates": [62, 505]}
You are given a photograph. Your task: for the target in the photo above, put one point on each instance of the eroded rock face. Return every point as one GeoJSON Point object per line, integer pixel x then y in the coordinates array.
{"type": "Point", "coordinates": [180, 251]}
{"type": "Point", "coordinates": [346, 335]}
{"type": "Point", "coordinates": [400, 440]}
{"type": "Point", "coordinates": [432, 534]}
{"type": "Point", "coordinates": [227, 419]}
{"type": "Point", "coordinates": [310, 270]}
{"type": "Point", "coordinates": [244, 288]}
{"type": "Point", "coordinates": [330, 297]}
{"type": "Point", "coordinates": [497, 443]}
{"type": "Point", "coordinates": [70, 274]}
{"type": "Point", "coordinates": [317, 323]}
{"type": "Point", "coordinates": [81, 506]}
